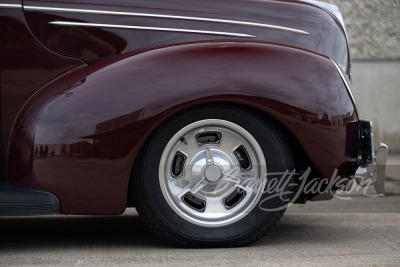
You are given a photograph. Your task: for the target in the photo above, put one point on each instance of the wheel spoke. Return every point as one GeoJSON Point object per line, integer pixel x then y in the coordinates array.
{"type": "Point", "coordinates": [215, 207]}
{"type": "Point", "coordinates": [179, 186]}
{"type": "Point", "coordinates": [188, 146]}
{"type": "Point", "coordinates": [245, 183]}
{"type": "Point", "coordinates": [229, 142]}
{"type": "Point", "coordinates": [209, 156]}
{"type": "Point", "coordinates": [232, 179]}
{"type": "Point", "coordinates": [197, 187]}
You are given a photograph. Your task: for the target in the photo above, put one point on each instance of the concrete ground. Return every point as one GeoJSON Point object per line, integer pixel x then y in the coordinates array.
{"type": "Point", "coordinates": [302, 238]}
{"type": "Point", "coordinates": [361, 231]}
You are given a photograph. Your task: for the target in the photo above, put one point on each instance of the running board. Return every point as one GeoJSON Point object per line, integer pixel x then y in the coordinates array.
{"type": "Point", "coordinates": [16, 201]}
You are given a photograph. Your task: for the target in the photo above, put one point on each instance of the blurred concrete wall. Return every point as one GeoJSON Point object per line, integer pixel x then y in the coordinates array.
{"type": "Point", "coordinates": [373, 28]}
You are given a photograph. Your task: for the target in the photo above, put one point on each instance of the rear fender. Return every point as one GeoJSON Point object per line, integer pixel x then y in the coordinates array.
{"type": "Point", "coordinates": [78, 137]}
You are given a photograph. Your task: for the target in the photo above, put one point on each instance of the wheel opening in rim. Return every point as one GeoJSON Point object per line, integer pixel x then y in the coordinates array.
{"type": "Point", "coordinates": [243, 157]}
{"type": "Point", "coordinates": [194, 202]}
{"type": "Point", "coordinates": [208, 138]}
{"type": "Point", "coordinates": [177, 164]}
{"type": "Point", "coordinates": [234, 198]}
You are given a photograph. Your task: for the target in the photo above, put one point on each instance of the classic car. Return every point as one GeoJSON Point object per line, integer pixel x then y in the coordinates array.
{"type": "Point", "coordinates": [208, 117]}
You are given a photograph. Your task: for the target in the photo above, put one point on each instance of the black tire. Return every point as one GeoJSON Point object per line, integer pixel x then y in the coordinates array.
{"type": "Point", "coordinates": [170, 224]}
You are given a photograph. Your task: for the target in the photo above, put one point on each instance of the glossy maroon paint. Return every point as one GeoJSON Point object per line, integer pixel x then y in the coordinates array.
{"type": "Point", "coordinates": [93, 44]}
{"type": "Point", "coordinates": [114, 105]}
{"type": "Point", "coordinates": [78, 136]}
{"type": "Point", "coordinates": [25, 67]}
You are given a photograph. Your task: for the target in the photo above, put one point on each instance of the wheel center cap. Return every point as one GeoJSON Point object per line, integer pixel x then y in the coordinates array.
{"type": "Point", "coordinates": [213, 173]}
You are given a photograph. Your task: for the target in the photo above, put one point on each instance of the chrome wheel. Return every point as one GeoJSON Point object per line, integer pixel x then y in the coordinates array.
{"type": "Point", "coordinates": [212, 173]}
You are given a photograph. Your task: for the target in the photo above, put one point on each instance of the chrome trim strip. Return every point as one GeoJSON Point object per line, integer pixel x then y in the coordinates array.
{"type": "Point", "coordinates": [83, 24]}
{"type": "Point", "coordinates": [119, 13]}
{"type": "Point", "coordinates": [10, 5]}
{"type": "Point", "coordinates": [344, 80]}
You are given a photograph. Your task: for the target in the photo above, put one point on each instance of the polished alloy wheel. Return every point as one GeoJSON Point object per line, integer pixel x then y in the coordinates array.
{"type": "Point", "coordinates": [212, 173]}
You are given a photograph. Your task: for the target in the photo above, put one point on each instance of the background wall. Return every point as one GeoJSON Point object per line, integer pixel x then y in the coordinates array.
{"type": "Point", "coordinates": [373, 27]}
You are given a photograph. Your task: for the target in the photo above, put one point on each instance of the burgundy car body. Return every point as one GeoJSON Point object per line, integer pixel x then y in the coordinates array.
{"type": "Point", "coordinates": [78, 102]}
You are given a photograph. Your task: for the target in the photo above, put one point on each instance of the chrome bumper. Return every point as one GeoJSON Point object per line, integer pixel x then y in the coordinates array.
{"type": "Point", "coordinates": [373, 173]}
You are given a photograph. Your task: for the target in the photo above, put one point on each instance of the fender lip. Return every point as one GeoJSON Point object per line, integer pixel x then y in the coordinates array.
{"type": "Point", "coordinates": [347, 84]}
